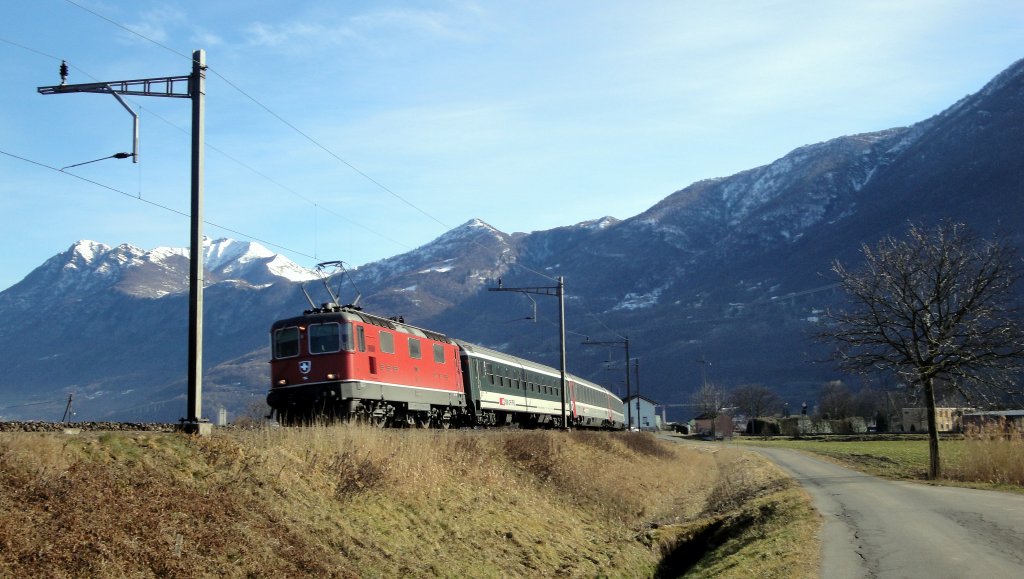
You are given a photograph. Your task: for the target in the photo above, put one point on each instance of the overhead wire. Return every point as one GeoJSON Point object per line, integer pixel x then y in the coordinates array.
{"type": "Point", "coordinates": [317, 206]}
{"type": "Point", "coordinates": [308, 137]}
{"type": "Point", "coordinates": [269, 111]}
{"type": "Point", "coordinates": [155, 204]}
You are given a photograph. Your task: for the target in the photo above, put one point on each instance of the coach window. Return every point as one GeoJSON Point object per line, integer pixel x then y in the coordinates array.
{"type": "Point", "coordinates": [439, 353]}
{"type": "Point", "coordinates": [387, 342]}
{"type": "Point", "coordinates": [414, 349]}
{"type": "Point", "coordinates": [324, 338]}
{"type": "Point", "coordinates": [286, 342]}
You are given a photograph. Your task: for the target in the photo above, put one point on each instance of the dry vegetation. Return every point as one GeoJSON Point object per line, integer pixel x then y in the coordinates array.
{"type": "Point", "coordinates": [993, 455]}
{"type": "Point", "coordinates": [353, 502]}
{"type": "Point", "coordinates": [982, 458]}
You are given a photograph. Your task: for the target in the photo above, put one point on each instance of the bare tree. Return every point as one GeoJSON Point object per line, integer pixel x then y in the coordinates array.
{"type": "Point", "coordinates": [873, 402]}
{"type": "Point", "coordinates": [709, 398]}
{"type": "Point", "coordinates": [755, 400]}
{"type": "Point", "coordinates": [835, 401]}
{"type": "Point", "coordinates": [934, 306]}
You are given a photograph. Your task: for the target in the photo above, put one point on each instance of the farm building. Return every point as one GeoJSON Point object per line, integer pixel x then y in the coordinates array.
{"type": "Point", "coordinates": [1006, 419]}
{"type": "Point", "coordinates": [716, 425]}
{"type": "Point", "coordinates": [947, 419]}
{"type": "Point", "coordinates": [649, 419]}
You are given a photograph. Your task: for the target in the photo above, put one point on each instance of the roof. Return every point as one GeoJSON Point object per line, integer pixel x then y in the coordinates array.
{"type": "Point", "coordinates": [644, 398]}
{"type": "Point", "coordinates": [1003, 413]}
{"type": "Point", "coordinates": [710, 416]}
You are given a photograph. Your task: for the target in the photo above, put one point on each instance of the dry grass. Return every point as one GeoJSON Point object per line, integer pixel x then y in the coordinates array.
{"type": "Point", "coordinates": [354, 502]}
{"type": "Point", "coordinates": [992, 455]}
{"type": "Point", "coordinates": [757, 523]}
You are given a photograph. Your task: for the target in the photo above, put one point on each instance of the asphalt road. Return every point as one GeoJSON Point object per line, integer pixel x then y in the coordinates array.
{"type": "Point", "coordinates": [880, 528]}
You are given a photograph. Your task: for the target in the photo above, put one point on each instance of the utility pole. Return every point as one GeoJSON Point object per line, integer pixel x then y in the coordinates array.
{"type": "Point", "coordinates": [703, 371]}
{"type": "Point", "coordinates": [636, 367]}
{"type": "Point", "coordinates": [559, 292]}
{"type": "Point", "coordinates": [629, 412]}
{"type": "Point", "coordinates": [67, 410]}
{"type": "Point", "coordinates": [192, 86]}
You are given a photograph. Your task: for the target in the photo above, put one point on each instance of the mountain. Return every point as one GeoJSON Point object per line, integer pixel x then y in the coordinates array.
{"type": "Point", "coordinates": [109, 323]}
{"type": "Point", "coordinates": [722, 280]}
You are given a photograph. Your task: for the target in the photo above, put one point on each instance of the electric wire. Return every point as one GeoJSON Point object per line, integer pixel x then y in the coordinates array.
{"type": "Point", "coordinates": [268, 110]}
{"type": "Point", "coordinates": [45, 402]}
{"type": "Point", "coordinates": [299, 131]}
{"type": "Point", "coordinates": [306, 136]}
{"type": "Point", "coordinates": [158, 205]}
{"type": "Point", "coordinates": [317, 206]}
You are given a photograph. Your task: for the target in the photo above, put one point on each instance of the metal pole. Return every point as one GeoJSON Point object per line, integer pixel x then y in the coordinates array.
{"type": "Point", "coordinates": [629, 411]}
{"type": "Point", "coordinates": [195, 290]}
{"type": "Point", "coordinates": [637, 367]}
{"type": "Point", "coordinates": [171, 86]}
{"type": "Point", "coordinates": [67, 409]}
{"type": "Point", "coordinates": [135, 127]}
{"type": "Point", "coordinates": [561, 328]}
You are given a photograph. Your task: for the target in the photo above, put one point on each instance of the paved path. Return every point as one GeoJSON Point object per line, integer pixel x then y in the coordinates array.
{"type": "Point", "coordinates": [881, 528]}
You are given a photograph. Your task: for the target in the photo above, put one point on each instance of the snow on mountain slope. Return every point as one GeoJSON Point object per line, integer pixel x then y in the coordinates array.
{"type": "Point", "coordinates": [88, 266]}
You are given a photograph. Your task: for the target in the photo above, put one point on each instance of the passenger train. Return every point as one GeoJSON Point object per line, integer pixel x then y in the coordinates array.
{"type": "Point", "coordinates": [339, 362]}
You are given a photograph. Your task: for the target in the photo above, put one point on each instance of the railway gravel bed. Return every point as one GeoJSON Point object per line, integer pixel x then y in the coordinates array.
{"type": "Point", "coordinates": [39, 426]}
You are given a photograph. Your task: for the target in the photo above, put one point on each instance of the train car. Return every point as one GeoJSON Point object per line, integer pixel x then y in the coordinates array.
{"type": "Point", "coordinates": [506, 390]}
{"type": "Point", "coordinates": [596, 407]}
{"type": "Point", "coordinates": [340, 362]}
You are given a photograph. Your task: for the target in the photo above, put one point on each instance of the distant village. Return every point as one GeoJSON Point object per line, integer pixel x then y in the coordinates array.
{"type": "Point", "coordinates": [728, 421]}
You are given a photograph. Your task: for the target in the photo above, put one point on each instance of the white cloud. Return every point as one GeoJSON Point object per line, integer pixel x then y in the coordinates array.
{"type": "Point", "coordinates": [156, 22]}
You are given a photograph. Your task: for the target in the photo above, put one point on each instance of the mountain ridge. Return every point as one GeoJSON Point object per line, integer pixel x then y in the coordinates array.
{"type": "Point", "coordinates": [733, 270]}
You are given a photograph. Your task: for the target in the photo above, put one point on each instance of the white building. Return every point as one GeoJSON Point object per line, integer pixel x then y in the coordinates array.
{"type": "Point", "coordinates": [649, 419]}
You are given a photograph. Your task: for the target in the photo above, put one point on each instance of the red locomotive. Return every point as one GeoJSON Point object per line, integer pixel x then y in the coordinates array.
{"type": "Point", "coordinates": [341, 362]}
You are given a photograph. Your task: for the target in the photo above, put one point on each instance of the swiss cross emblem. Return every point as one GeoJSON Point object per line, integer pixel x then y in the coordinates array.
{"type": "Point", "coordinates": [305, 366]}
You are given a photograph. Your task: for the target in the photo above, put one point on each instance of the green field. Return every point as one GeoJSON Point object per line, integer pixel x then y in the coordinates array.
{"type": "Point", "coordinates": [976, 462]}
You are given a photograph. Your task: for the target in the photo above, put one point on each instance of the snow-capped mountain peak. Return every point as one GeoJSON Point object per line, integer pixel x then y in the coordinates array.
{"type": "Point", "coordinates": [87, 250]}
{"type": "Point", "coordinates": [250, 261]}
{"type": "Point", "coordinates": [89, 266]}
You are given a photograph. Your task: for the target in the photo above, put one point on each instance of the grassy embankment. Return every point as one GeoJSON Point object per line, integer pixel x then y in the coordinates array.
{"type": "Point", "coordinates": [353, 502]}
{"type": "Point", "coordinates": [992, 459]}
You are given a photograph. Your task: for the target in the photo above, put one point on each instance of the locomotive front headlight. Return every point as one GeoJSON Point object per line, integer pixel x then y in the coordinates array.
{"type": "Point", "coordinates": [282, 382]}
{"type": "Point", "coordinates": [332, 376]}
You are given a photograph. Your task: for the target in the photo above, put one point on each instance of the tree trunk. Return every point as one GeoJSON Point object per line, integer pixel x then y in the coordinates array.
{"type": "Point", "coordinates": [934, 469]}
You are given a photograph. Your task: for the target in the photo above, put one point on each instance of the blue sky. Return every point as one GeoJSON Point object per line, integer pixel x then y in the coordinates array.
{"type": "Point", "coordinates": [528, 115]}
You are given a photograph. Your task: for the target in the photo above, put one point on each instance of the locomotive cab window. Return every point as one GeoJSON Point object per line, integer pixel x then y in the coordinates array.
{"type": "Point", "coordinates": [329, 337]}
{"type": "Point", "coordinates": [286, 342]}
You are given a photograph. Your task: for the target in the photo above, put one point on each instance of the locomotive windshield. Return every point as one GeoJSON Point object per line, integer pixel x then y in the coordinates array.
{"type": "Point", "coordinates": [330, 337]}
{"type": "Point", "coordinates": [286, 342]}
